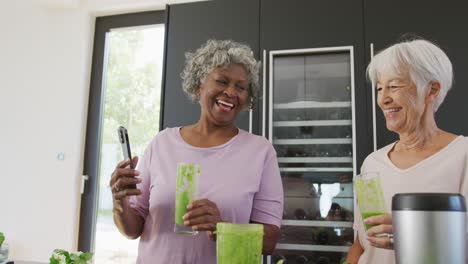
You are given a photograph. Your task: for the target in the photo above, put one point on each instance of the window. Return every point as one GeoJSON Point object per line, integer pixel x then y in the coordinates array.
{"type": "Point", "coordinates": [125, 90]}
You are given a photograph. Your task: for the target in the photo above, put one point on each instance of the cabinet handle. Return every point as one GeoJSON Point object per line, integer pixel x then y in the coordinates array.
{"type": "Point", "coordinates": [250, 120]}
{"type": "Point", "coordinates": [374, 122]}
{"type": "Point", "coordinates": [264, 93]}
{"type": "Point", "coordinates": [270, 97]}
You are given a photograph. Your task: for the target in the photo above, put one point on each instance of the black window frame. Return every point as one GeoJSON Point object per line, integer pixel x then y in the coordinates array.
{"type": "Point", "coordinates": [89, 197]}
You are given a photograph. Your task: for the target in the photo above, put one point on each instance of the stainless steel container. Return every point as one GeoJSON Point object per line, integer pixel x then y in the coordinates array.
{"type": "Point", "coordinates": [429, 228]}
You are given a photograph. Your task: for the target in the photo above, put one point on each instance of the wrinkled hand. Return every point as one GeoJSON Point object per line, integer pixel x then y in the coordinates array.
{"type": "Point", "coordinates": [380, 235]}
{"type": "Point", "coordinates": [121, 178]}
{"type": "Point", "coordinates": [203, 215]}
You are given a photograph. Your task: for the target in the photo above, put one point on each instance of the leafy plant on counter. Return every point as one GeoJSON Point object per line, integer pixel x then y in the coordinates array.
{"type": "Point", "coordinates": [60, 256]}
{"type": "Point", "coordinates": [2, 238]}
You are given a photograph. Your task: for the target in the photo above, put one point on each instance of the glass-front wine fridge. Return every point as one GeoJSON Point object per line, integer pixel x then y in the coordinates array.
{"type": "Point", "coordinates": [311, 123]}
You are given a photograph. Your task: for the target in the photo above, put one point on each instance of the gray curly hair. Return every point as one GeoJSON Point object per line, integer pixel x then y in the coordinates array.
{"type": "Point", "coordinates": [219, 53]}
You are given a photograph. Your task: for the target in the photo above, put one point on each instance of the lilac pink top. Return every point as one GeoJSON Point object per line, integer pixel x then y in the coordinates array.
{"type": "Point", "coordinates": [241, 176]}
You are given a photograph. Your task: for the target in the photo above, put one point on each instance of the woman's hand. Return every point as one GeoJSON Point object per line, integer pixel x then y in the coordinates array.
{"type": "Point", "coordinates": [381, 235]}
{"type": "Point", "coordinates": [203, 215]}
{"type": "Point", "coordinates": [121, 178]}
{"type": "Point", "coordinates": [127, 220]}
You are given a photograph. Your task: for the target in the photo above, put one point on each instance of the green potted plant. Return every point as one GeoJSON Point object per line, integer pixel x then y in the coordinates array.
{"type": "Point", "coordinates": [60, 256]}
{"type": "Point", "coordinates": [3, 249]}
{"type": "Point", "coordinates": [2, 238]}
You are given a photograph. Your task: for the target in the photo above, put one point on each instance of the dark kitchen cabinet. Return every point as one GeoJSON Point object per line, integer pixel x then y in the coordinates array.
{"type": "Point", "coordinates": [443, 22]}
{"type": "Point", "coordinates": [190, 25]}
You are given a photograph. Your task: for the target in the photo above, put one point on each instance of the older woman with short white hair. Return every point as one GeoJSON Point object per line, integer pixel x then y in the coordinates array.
{"type": "Point", "coordinates": [412, 79]}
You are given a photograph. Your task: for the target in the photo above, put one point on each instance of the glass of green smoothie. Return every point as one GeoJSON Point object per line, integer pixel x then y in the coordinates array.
{"type": "Point", "coordinates": [188, 175]}
{"type": "Point", "coordinates": [370, 198]}
{"type": "Point", "coordinates": [239, 243]}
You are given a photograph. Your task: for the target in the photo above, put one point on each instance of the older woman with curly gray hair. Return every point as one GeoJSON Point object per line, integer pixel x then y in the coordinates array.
{"type": "Point", "coordinates": [412, 79]}
{"type": "Point", "coordinates": [216, 54]}
{"type": "Point", "coordinates": [239, 182]}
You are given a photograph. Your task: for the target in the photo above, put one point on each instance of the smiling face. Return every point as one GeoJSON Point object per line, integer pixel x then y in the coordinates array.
{"type": "Point", "coordinates": [402, 107]}
{"type": "Point", "coordinates": [223, 94]}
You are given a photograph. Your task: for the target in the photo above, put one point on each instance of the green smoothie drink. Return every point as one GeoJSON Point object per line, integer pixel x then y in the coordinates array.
{"type": "Point", "coordinates": [369, 214]}
{"type": "Point", "coordinates": [239, 243]}
{"type": "Point", "coordinates": [188, 175]}
{"type": "Point", "coordinates": [370, 196]}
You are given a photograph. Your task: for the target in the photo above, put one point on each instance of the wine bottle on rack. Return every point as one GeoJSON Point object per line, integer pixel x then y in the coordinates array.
{"type": "Point", "coordinates": [302, 260]}
{"type": "Point", "coordinates": [281, 260]}
{"type": "Point", "coordinates": [300, 214]}
{"type": "Point", "coordinates": [323, 260]}
{"type": "Point", "coordinates": [322, 237]}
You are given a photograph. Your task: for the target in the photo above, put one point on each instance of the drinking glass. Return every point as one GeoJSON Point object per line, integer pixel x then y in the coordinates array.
{"type": "Point", "coordinates": [239, 243]}
{"type": "Point", "coordinates": [370, 196]}
{"type": "Point", "coordinates": [188, 175]}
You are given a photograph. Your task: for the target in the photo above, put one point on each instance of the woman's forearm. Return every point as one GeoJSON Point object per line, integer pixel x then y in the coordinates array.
{"type": "Point", "coordinates": [354, 252]}
{"type": "Point", "coordinates": [271, 235]}
{"type": "Point", "coordinates": [127, 220]}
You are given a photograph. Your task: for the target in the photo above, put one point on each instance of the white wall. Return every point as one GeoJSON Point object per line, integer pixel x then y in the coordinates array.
{"type": "Point", "coordinates": [45, 54]}
{"type": "Point", "coordinates": [44, 58]}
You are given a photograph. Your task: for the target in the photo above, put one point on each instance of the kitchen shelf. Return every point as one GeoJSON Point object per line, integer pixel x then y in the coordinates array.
{"type": "Point", "coordinates": [312, 247]}
{"type": "Point", "coordinates": [319, 177]}
{"type": "Point", "coordinates": [310, 141]}
{"type": "Point", "coordinates": [316, 160]}
{"type": "Point", "coordinates": [315, 197]}
{"type": "Point", "coordinates": [345, 122]}
{"type": "Point", "coordinates": [311, 104]}
{"type": "Point", "coordinates": [317, 223]}
{"type": "Point", "coordinates": [306, 169]}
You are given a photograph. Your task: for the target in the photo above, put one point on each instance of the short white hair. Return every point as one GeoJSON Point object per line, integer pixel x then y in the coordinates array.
{"type": "Point", "coordinates": [424, 61]}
